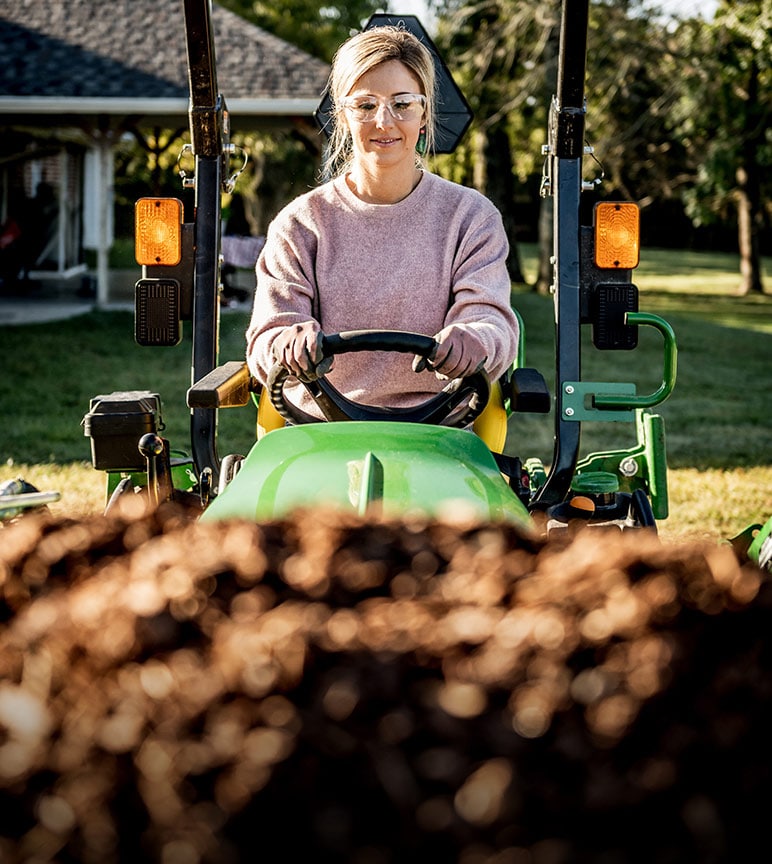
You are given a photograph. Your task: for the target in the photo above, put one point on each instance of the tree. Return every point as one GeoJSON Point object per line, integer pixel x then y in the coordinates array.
{"type": "Point", "coordinates": [632, 86]}
{"type": "Point", "coordinates": [505, 55]}
{"type": "Point", "coordinates": [496, 50]}
{"type": "Point", "coordinates": [724, 119]}
{"type": "Point", "coordinates": [316, 26]}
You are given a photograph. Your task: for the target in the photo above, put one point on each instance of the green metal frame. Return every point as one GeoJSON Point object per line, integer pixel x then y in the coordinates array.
{"type": "Point", "coordinates": [755, 544]}
{"type": "Point", "coordinates": [183, 475]}
{"type": "Point", "coordinates": [643, 466]}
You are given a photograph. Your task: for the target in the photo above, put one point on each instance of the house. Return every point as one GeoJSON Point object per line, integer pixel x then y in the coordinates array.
{"type": "Point", "coordinates": [76, 75]}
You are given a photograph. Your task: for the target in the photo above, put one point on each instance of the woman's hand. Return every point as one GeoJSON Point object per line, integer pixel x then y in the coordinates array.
{"type": "Point", "coordinates": [459, 353]}
{"type": "Point", "coordinates": [299, 350]}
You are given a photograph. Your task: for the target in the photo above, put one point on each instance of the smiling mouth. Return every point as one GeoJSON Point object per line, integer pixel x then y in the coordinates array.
{"type": "Point", "coordinates": [385, 140]}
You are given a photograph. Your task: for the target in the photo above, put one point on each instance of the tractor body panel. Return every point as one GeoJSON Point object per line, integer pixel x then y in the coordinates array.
{"type": "Point", "coordinates": [389, 469]}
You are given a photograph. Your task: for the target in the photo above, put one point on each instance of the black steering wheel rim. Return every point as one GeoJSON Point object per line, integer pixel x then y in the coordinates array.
{"type": "Point", "coordinates": [336, 407]}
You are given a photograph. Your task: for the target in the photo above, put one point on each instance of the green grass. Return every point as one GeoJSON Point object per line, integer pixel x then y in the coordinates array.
{"type": "Point", "coordinates": [718, 420]}
{"type": "Point", "coordinates": [51, 372]}
{"type": "Point", "coordinates": [721, 410]}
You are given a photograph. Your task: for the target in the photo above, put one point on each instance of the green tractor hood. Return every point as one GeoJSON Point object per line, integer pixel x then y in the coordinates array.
{"type": "Point", "coordinates": [388, 468]}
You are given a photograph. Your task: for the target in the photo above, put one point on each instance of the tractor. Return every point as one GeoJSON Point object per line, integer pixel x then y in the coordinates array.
{"type": "Point", "coordinates": [441, 458]}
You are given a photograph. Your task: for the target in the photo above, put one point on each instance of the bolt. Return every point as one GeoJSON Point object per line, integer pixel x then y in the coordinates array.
{"type": "Point", "coordinates": [569, 388]}
{"type": "Point", "coordinates": [628, 467]}
{"type": "Point", "coordinates": [569, 412]}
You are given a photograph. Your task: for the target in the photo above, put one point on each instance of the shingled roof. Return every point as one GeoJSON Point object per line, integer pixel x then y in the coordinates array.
{"type": "Point", "coordinates": [92, 56]}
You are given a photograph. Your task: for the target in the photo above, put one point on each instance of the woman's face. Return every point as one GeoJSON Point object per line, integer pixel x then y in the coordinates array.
{"type": "Point", "coordinates": [384, 141]}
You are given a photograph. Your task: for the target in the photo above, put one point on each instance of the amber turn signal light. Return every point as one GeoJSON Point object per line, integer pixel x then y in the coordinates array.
{"type": "Point", "coordinates": [617, 235]}
{"type": "Point", "coordinates": [158, 231]}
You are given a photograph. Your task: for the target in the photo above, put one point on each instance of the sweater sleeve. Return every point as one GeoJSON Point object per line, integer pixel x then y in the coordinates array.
{"type": "Point", "coordinates": [285, 289]}
{"type": "Point", "coordinates": [481, 292]}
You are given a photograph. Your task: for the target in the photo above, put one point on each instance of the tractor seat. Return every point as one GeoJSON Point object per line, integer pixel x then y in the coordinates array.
{"type": "Point", "coordinates": [490, 425]}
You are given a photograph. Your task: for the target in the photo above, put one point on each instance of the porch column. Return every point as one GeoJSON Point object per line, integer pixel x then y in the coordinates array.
{"type": "Point", "coordinates": [105, 202]}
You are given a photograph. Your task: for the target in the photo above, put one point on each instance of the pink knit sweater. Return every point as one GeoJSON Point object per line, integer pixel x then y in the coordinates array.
{"type": "Point", "coordinates": [433, 259]}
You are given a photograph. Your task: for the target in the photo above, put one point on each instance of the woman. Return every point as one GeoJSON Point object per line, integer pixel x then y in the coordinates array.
{"type": "Point", "coordinates": [384, 244]}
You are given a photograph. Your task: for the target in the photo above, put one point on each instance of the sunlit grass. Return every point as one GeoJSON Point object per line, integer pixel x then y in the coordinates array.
{"type": "Point", "coordinates": [716, 504]}
{"type": "Point", "coordinates": [82, 489]}
{"type": "Point", "coordinates": [703, 283]}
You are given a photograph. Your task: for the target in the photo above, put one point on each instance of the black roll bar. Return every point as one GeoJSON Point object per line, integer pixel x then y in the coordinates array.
{"type": "Point", "coordinates": [209, 134]}
{"type": "Point", "coordinates": [565, 149]}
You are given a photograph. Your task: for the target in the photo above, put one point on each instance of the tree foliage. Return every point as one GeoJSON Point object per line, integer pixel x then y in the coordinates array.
{"type": "Point", "coordinates": [630, 93]}
{"type": "Point", "coordinates": [316, 26]}
{"type": "Point", "coordinates": [678, 111]}
{"type": "Point", "coordinates": [497, 51]}
{"type": "Point", "coordinates": [724, 119]}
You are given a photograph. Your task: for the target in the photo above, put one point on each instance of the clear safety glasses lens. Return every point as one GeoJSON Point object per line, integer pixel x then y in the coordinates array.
{"type": "Point", "coordinates": [408, 106]}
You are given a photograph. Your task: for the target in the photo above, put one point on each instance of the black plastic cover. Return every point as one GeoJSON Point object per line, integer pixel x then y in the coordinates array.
{"type": "Point", "coordinates": [611, 303]}
{"type": "Point", "coordinates": [157, 320]}
{"type": "Point", "coordinates": [116, 422]}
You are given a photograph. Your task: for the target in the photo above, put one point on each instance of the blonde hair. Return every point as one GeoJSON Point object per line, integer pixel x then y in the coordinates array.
{"type": "Point", "coordinates": [357, 56]}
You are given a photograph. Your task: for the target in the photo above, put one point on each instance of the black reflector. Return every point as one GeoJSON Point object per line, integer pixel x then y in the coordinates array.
{"type": "Point", "coordinates": [157, 312]}
{"type": "Point", "coordinates": [609, 330]}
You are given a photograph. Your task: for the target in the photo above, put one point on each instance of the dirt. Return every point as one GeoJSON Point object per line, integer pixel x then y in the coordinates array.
{"type": "Point", "coordinates": [327, 688]}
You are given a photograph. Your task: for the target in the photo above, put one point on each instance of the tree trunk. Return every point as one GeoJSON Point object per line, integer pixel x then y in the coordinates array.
{"type": "Point", "coordinates": [546, 275]}
{"type": "Point", "coordinates": [546, 234]}
{"type": "Point", "coordinates": [498, 182]}
{"type": "Point", "coordinates": [748, 239]}
{"type": "Point", "coordinates": [749, 210]}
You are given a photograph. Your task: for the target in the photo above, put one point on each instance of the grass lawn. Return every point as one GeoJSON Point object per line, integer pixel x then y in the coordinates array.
{"type": "Point", "coordinates": [718, 419]}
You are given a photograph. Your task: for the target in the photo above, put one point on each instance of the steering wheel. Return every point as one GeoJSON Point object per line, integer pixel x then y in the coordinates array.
{"type": "Point", "coordinates": [335, 406]}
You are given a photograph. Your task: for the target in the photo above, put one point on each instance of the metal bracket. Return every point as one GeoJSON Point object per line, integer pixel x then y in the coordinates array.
{"type": "Point", "coordinates": [230, 183]}
{"type": "Point", "coordinates": [579, 398]}
{"type": "Point", "coordinates": [188, 178]}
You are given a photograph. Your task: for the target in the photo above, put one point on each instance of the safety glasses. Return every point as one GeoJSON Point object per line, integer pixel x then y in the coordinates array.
{"type": "Point", "coordinates": [406, 106]}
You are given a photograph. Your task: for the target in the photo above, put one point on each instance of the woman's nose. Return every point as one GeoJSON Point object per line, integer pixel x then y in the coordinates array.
{"type": "Point", "coordinates": [383, 115]}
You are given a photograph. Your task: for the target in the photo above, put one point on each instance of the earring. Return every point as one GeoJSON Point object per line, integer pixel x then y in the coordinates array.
{"type": "Point", "coordinates": [420, 145]}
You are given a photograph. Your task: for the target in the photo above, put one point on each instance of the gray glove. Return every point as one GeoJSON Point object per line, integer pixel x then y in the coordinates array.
{"type": "Point", "coordinates": [299, 350]}
{"type": "Point", "coordinates": [459, 353]}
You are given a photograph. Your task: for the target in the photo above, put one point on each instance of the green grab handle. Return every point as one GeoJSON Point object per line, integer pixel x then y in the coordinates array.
{"type": "Point", "coordinates": [668, 374]}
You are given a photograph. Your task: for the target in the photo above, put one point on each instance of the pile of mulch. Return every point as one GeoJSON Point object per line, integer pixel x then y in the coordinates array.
{"type": "Point", "coordinates": [331, 689]}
